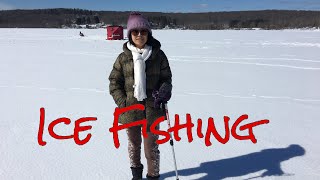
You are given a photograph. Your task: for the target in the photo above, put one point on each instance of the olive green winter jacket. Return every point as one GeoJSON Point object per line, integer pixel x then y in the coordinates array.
{"type": "Point", "coordinates": [122, 80]}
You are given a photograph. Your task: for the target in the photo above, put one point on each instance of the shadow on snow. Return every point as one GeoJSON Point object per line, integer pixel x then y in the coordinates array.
{"type": "Point", "coordinates": [268, 160]}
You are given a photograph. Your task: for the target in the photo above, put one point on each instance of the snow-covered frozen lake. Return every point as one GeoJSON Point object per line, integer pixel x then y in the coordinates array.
{"type": "Point", "coordinates": [266, 74]}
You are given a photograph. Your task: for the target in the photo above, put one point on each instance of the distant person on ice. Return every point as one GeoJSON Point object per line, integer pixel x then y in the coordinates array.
{"type": "Point", "coordinates": [141, 75]}
{"type": "Point", "coordinates": [81, 34]}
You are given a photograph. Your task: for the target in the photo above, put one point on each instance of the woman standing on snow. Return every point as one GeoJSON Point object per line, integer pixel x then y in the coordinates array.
{"type": "Point", "coordinates": [141, 75]}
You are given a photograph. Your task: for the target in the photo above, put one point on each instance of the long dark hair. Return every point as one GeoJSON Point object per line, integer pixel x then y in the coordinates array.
{"type": "Point", "coordinates": [149, 41]}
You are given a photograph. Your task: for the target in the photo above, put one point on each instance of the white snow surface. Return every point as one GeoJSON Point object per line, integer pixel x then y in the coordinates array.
{"type": "Point", "coordinates": [270, 75]}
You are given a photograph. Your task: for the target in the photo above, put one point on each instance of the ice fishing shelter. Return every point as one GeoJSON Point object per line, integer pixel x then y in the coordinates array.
{"type": "Point", "coordinates": [114, 32]}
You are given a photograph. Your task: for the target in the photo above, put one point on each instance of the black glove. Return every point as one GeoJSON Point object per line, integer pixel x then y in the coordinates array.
{"type": "Point", "coordinates": [162, 96]}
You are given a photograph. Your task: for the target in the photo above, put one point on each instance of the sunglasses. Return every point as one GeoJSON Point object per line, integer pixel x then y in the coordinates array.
{"type": "Point", "coordinates": [143, 32]}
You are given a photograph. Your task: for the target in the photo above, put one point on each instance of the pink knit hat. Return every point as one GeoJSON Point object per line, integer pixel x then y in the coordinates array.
{"type": "Point", "coordinates": [137, 21]}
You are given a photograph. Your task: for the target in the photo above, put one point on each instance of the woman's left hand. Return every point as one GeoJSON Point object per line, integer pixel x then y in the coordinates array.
{"type": "Point", "coordinates": [162, 96]}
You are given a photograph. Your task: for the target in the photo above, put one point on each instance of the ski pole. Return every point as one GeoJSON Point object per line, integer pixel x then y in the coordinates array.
{"type": "Point", "coordinates": [171, 140]}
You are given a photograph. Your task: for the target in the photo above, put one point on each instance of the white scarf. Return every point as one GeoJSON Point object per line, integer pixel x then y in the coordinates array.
{"type": "Point", "coordinates": [139, 67]}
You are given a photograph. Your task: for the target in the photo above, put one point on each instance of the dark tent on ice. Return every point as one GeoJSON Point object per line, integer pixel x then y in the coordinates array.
{"type": "Point", "coordinates": [114, 32]}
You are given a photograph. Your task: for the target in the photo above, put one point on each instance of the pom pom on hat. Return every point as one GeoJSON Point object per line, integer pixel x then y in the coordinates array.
{"type": "Point", "coordinates": [137, 21]}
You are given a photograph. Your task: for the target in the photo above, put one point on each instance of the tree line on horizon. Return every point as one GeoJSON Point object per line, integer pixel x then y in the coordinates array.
{"type": "Point", "coordinates": [264, 19]}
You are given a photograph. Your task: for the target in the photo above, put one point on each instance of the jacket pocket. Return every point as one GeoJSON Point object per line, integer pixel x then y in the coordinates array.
{"type": "Point", "coordinates": [122, 103]}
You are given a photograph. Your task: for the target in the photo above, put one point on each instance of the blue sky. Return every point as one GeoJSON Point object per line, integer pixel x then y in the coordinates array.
{"type": "Point", "coordinates": [164, 5]}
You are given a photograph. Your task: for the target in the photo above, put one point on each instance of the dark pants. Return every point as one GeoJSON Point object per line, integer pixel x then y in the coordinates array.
{"type": "Point", "coordinates": [151, 150]}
